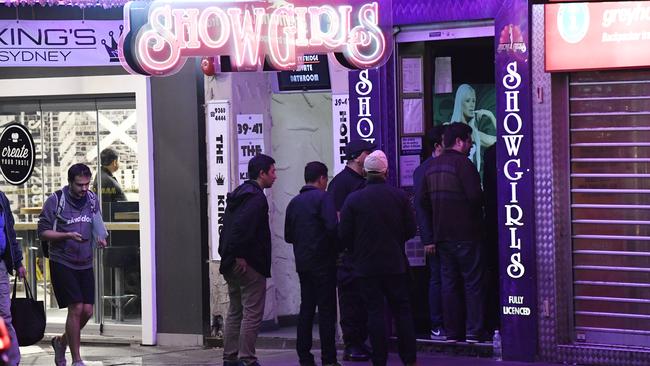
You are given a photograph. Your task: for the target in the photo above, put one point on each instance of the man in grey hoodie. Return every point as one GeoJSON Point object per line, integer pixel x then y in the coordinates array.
{"type": "Point", "coordinates": [71, 256]}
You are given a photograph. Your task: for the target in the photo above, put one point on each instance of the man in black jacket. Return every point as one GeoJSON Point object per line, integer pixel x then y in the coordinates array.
{"type": "Point", "coordinates": [375, 223]}
{"type": "Point", "coordinates": [453, 200]}
{"type": "Point", "coordinates": [353, 313]}
{"type": "Point", "coordinates": [310, 225]}
{"type": "Point", "coordinates": [245, 249]}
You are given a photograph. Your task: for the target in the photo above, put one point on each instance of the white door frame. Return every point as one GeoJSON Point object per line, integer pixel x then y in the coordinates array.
{"type": "Point", "coordinates": [106, 85]}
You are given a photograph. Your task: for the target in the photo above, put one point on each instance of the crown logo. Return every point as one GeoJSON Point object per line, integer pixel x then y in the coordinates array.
{"type": "Point", "coordinates": [112, 50]}
{"type": "Point", "coordinates": [220, 179]}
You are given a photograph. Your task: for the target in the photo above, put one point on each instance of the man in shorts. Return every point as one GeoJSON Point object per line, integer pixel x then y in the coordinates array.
{"type": "Point", "coordinates": [66, 222]}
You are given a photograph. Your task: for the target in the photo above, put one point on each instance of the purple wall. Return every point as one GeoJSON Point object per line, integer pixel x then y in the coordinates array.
{"type": "Point", "coordinates": [407, 12]}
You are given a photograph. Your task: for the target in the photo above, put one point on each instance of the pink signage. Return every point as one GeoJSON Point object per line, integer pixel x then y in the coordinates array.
{"type": "Point", "coordinates": [583, 36]}
{"type": "Point", "coordinates": [160, 35]}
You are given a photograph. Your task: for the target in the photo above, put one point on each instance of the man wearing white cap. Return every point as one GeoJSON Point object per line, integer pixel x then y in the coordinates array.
{"type": "Point", "coordinates": [375, 223]}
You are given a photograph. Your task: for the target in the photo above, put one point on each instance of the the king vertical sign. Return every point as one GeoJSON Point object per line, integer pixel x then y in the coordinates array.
{"type": "Point", "coordinates": [218, 135]}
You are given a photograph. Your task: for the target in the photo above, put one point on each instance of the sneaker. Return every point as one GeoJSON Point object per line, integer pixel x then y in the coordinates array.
{"type": "Point", "coordinates": [355, 353]}
{"type": "Point", "coordinates": [59, 352]}
{"type": "Point", "coordinates": [471, 339]}
{"type": "Point", "coordinates": [78, 363]}
{"type": "Point", "coordinates": [438, 334]}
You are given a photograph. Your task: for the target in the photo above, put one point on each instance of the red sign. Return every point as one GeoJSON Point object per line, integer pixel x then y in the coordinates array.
{"type": "Point", "coordinates": [584, 36]}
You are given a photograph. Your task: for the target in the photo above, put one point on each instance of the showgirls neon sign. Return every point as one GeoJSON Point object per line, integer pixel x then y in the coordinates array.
{"type": "Point", "coordinates": [160, 35]}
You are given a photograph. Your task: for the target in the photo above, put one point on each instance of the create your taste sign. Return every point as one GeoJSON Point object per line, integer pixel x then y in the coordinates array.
{"type": "Point", "coordinates": [254, 35]}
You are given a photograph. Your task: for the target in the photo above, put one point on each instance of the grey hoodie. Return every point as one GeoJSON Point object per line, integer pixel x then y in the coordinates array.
{"type": "Point", "coordinates": [73, 254]}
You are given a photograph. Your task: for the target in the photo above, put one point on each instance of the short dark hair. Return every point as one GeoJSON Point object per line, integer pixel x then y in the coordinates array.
{"type": "Point", "coordinates": [78, 170]}
{"type": "Point", "coordinates": [107, 156]}
{"type": "Point", "coordinates": [435, 135]}
{"type": "Point", "coordinates": [456, 130]}
{"type": "Point", "coordinates": [314, 170]}
{"type": "Point", "coordinates": [259, 163]}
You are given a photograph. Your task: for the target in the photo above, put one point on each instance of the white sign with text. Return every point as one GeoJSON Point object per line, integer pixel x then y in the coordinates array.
{"type": "Point", "coordinates": [59, 43]}
{"type": "Point", "coordinates": [218, 150]}
{"type": "Point", "coordinates": [250, 141]}
{"type": "Point", "coordinates": [341, 129]}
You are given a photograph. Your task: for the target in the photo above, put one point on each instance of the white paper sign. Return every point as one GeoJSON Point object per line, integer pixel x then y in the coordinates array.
{"type": "Point", "coordinates": [218, 150]}
{"type": "Point", "coordinates": [407, 165]}
{"type": "Point", "coordinates": [443, 75]}
{"type": "Point", "coordinates": [412, 109]}
{"type": "Point", "coordinates": [250, 141]}
{"type": "Point", "coordinates": [412, 75]}
{"type": "Point", "coordinates": [59, 43]}
{"type": "Point", "coordinates": [340, 129]}
{"type": "Point", "coordinates": [411, 143]}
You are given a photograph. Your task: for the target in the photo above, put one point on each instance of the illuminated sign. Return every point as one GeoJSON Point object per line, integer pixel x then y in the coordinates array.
{"type": "Point", "coordinates": [160, 35]}
{"type": "Point", "coordinates": [584, 36]}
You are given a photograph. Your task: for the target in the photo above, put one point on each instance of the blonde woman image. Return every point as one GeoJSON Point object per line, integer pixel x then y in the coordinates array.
{"type": "Point", "coordinates": [482, 121]}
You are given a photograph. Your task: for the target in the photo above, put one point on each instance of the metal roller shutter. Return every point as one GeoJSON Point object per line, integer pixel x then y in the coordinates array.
{"type": "Point", "coordinates": [610, 206]}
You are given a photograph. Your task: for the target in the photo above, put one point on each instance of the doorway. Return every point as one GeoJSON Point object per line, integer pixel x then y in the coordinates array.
{"type": "Point", "coordinates": [74, 120]}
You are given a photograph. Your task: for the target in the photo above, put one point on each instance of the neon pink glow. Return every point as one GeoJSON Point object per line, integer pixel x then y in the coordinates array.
{"type": "Point", "coordinates": [252, 31]}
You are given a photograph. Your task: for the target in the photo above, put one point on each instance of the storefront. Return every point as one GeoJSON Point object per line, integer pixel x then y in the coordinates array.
{"type": "Point", "coordinates": [60, 77]}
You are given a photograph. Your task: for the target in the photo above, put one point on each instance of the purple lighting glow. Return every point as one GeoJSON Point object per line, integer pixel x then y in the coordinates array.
{"type": "Point", "coordinates": [79, 3]}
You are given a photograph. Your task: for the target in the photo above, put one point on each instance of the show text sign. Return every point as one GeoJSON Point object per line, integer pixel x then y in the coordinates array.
{"type": "Point", "coordinates": [161, 34]}
{"type": "Point", "coordinates": [365, 108]}
{"type": "Point", "coordinates": [515, 183]}
{"type": "Point", "coordinates": [599, 35]}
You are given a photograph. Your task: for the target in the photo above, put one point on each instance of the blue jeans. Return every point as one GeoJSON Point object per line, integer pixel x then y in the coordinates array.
{"type": "Point", "coordinates": [5, 311]}
{"type": "Point", "coordinates": [435, 287]}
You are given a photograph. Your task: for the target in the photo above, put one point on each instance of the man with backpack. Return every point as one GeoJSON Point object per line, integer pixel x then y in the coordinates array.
{"type": "Point", "coordinates": [245, 249]}
{"type": "Point", "coordinates": [66, 224]}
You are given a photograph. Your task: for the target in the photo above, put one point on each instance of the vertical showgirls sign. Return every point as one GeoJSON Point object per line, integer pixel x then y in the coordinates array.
{"type": "Point", "coordinates": [254, 35]}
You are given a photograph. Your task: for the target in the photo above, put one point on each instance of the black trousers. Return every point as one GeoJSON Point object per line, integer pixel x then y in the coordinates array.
{"type": "Point", "coordinates": [462, 270]}
{"type": "Point", "coordinates": [317, 289]}
{"type": "Point", "coordinates": [353, 313]}
{"type": "Point", "coordinates": [393, 290]}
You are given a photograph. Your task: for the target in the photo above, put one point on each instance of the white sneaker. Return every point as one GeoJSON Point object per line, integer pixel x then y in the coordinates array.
{"type": "Point", "coordinates": [59, 352]}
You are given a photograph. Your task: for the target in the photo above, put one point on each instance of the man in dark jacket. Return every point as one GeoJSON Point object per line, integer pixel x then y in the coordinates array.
{"type": "Point", "coordinates": [111, 191]}
{"type": "Point", "coordinates": [12, 259]}
{"type": "Point", "coordinates": [245, 249]}
{"type": "Point", "coordinates": [353, 312]}
{"type": "Point", "coordinates": [453, 200]}
{"type": "Point", "coordinates": [435, 298]}
{"type": "Point", "coordinates": [375, 223]}
{"type": "Point", "coordinates": [310, 225]}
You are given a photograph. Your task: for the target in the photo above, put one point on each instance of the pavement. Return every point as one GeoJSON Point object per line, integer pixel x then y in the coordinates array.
{"type": "Point", "coordinates": [133, 354]}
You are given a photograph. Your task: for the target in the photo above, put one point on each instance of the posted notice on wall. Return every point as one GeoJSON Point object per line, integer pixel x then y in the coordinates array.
{"type": "Point", "coordinates": [341, 129]}
{"type": "Point", "coordinates": [413, 122]}
{"type": "Point", "coordinates": [407, 165]}
{"type": "Point", "coordinates": [218, 150]}
{"type": "Point", "coordinates": [250, 141]}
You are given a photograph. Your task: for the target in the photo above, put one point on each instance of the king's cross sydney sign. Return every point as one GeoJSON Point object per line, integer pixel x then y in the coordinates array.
{"type": "Point", "coordinates": [254, 35]}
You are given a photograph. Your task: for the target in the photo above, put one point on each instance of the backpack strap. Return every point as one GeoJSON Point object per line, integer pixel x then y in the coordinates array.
{"type": "Point", "coordinates": [60, 205]}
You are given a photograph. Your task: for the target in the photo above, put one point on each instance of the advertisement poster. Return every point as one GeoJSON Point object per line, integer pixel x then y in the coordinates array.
{"type": "Point", "coordinates": [250, 141]}
{"type": "Point", "coordinates": [341, 129]}
{"type": "Point", "coordinates": [218, 150]}
{"type": "Point", "coordinates": [474, 104]}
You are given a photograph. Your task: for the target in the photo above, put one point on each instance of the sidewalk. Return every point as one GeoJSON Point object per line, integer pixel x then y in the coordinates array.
{"type": "Point", "coordinates": [124, 355]}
